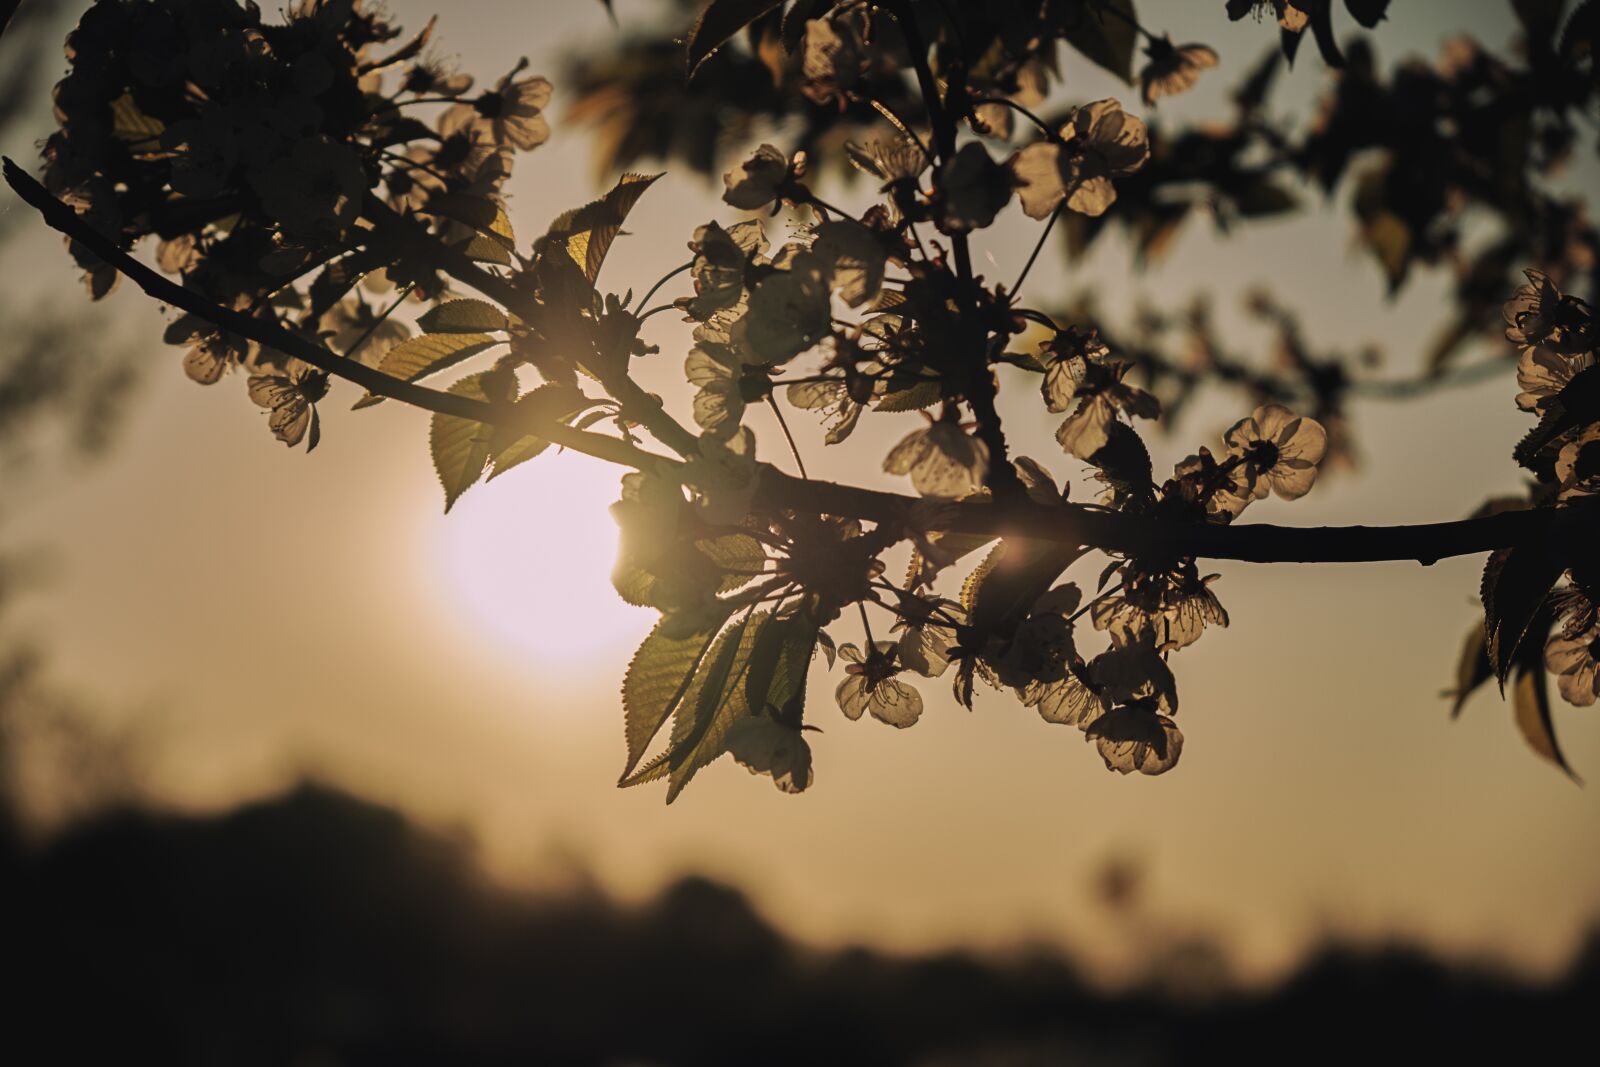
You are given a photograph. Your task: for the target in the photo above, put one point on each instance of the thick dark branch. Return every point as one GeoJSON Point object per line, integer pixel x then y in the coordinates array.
{"type": "Point", "coordinates": [268, 332]}
{"type": "Point", "coordinates": [1136, 535]}
{"type": "Point", "coordinates": [1067, 524]}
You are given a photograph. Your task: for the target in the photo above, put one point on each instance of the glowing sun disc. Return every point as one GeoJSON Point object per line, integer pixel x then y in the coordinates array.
{"type": "Point", "coordinates": [527, 559]}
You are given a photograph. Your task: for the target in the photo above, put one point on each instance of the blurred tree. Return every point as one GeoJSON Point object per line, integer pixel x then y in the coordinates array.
{"type": "Point", "coordinates": [310, 224]}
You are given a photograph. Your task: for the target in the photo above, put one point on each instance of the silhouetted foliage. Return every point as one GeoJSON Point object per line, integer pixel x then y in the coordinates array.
{"type": "Point", "coordinates": [314, 927]}
{"type": "Point", "coordinates": [299, 199]}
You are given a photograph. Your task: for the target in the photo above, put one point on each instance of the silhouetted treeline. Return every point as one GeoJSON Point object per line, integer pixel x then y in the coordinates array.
{"type": "Point", "coordinates": [314, 928]}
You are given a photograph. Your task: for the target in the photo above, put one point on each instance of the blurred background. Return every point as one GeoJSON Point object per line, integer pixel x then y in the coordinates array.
{"type": "Point", "coordinates": [298, 769]}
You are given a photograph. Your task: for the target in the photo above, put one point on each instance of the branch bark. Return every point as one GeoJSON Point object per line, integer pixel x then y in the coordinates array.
{"type": "Point", "coordinates": [1070, 524]}
{"type": "Point", "coordinates": [61, 217]}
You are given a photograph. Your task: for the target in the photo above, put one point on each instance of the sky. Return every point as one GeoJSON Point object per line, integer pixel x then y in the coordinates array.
{"type": "Point", "coordinates": [249, 614]}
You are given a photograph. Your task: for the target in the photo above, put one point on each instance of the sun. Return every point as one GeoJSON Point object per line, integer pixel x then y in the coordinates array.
{"type": "Point", "coordinates": [527, 558]}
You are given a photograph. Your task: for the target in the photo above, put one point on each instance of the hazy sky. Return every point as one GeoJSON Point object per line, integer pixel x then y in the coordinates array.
{"type": "Point", "coordinates": [255, 613]}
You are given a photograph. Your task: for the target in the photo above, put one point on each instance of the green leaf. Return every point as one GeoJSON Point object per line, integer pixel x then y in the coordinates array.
{"type": "Point", "coordinates": [755, 670]}
{"type": "Point", "coordinates": [416, 358]}
{"type": "Point", "coordinates": [586, 233]}
{"type": "Point", "coordinates": [1473, 669]}
{"type": "Point", "coordinates": [1530, 701]}
{"type": "Point", "coordinates": [906, 393]}
{"type": "Point", "coordinates": [974, 581]}
{"type": "Point", "coordinates": [716, 698]}
{"type": "Point", "coordinates": [512, 444]}
{"type": "Point", "coordinates": [1578, 404]}
{"type": "Point", "coordinates": [658, 677]}
{"type": "Point", "coordinates": [1516, 582]}
{"type": "Point", "coordinates": [480, 212]}
{"type": "Point", "coordinates": [485, 249]}
{"type": "Point", "coordinates": [460, 446]}
{"type": "Point", "coordinates": [1104, 32]}
{"type": "Point", "coordinates": [463, 316]}
{"type": "Point", "coordinates": [718, 23]}
{"type": "Point", "coordinates": [776, 679]}
{"type": "Point", "coordinates": [739, 556]}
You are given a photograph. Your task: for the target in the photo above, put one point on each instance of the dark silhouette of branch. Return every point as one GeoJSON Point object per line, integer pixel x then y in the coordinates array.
{"type": "Point", "coordinates": [61, 217]}
{"type": "Point", "coordinates": [1134, 535]}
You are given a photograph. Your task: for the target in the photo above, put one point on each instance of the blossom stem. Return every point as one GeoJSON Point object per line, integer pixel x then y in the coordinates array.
{"type": "Point", "coordinates": [1038, 246]}
{"type": "Point", "coordinates": [783, 424]}
{"type": "Point", "coordinates": [644, 301]}
{"type": "Point", "coordinates": [350, 353]}
{"type": "Point", "coordinates": [1044, 128]}
{"type": "Point", "coordinates": [861, 606]}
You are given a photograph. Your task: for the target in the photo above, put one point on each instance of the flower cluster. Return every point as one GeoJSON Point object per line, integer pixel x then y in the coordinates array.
{"type": "Point", "coordinates": [270, 161]}
{"type": "Point", "coordinates": [305, 178]}
{"type": "Point", "coordinates": [1556, 337]}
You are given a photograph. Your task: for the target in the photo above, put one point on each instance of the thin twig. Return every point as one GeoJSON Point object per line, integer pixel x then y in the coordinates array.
{"type": "Point", "coordinates": [794, 450]}
{"type": "Point", "coordinates": [1037, 246]}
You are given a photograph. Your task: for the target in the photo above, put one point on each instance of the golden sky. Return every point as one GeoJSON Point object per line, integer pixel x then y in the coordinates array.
{"type": "Point", "coordinates": [253, 613]}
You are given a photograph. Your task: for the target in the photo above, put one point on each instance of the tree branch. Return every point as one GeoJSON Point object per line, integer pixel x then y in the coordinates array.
{"type": "Point", "coordinates": [411, 239]}
{"type": "Point", "coordinates": [1070, 524]}
{"type": "Point", "coordinates": [1137, 535]}
{"type": "Point", "coordinates": [61, 217]}
{"type": "Point", "coordinates": [980, 386]}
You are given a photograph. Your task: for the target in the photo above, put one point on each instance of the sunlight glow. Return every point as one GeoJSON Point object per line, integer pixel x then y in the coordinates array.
{"type": "Point", "coordinates": [527, 559]}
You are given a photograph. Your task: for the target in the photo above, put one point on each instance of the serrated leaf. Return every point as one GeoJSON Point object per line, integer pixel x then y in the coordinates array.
{"type": "Point", "coordinates": [1516, 582]}
{"type": "Point", "coordinates": [658, 677]}
{"type": "Point", "coordinates": [778, 668]}
{"type": "Point", "coordinates": [1472, 670]}
{"type": "Point", "coordinates": [1530, 703]}
{"type": "Point", "coordinates": [909, 394]}
{"type": "Point", "coordinates": [481, 213]}
{"type": "Point", "coordinates": [485, 249]}
{"type": "Point", "coordinates": [1577, 404]}
{"type": "Point", "coordinates": [586, 233]}
{"type": "Point", "coordinates": [417, 357]}
{"type": "Point", "coordinates": [740, 556]}
{"type": "Point", "coordinates": [717, 696]}
{"type": "Point", "coordinates": [463, 316]}
{"type": "Point", "coordinates": [1106, 37]}
{"type": "Point", "coordinates": [717, 24]}
{"type": "Point", "coordinates": [460, 447]}
{"type": "Point", "coordinates": [512, 443]}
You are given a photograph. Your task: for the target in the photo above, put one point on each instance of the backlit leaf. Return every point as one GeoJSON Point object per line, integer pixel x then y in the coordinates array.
{"type": "Point", "coordinates": [1530, 700]}
{"type": "Point", "coordinates": [460, 446]}
{"type": "Point", "coordinates": [586, 233]}
{"type": "Point", "coordinates": [718, 23]}
{"type": "Point", "coordinates": [1515, 584]}
{"type": "Point", "coordinates": [658, 677]}
{"type": "Point", "coordinates": [1473, 670]}
{"type": "Point", "coordinates": [418, 357]}
{"type": "Point", "coordinates": [463, 316]}
{"type": "Point", "coordinates": [1107, 37]}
